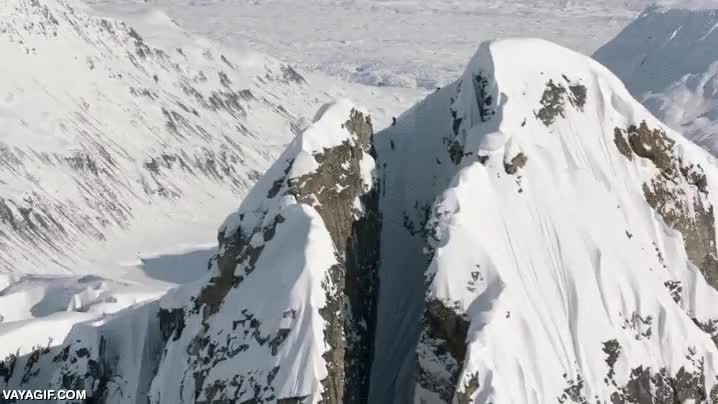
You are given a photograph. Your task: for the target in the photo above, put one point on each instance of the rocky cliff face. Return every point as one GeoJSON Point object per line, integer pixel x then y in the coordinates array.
{"type": "Point", "coordinates": [305, 239]}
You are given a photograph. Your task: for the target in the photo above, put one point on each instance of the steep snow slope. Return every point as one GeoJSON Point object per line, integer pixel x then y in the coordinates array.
{"type": "Point", "coordinates": [668, 58]}
{"type": "Point", "coordinates": [276, 321]}
{"type": "Point", "coordinates": [570, 248]}
{"type": "Point", "coordinates": [113, 145]}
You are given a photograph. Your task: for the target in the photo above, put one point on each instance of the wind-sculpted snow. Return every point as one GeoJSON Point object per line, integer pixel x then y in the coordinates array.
{"type": "Point", "coordinates": [287, 312]}
{"type": "Point", "coordinates": [667, 58]}
{"type": "Point", "coordinates": [568, 239]}
{"type": "Point", "coordinates": [103, 132]}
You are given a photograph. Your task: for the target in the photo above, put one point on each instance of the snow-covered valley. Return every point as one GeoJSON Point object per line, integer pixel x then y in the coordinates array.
{"type": "Point", "coordinates": [390, 43]}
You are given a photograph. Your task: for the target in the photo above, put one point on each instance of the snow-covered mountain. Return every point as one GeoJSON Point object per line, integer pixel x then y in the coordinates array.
{"type": "Point", "coordinates": [528, 234]}
{"type": "Point", "coordinates": [568, 241]}
{"type": "Point", "coordinates": [122, 146]}
{"type": "Point", "coordinates": [119, 139]}
{"type": "Point", "coordinates": [668, 59]}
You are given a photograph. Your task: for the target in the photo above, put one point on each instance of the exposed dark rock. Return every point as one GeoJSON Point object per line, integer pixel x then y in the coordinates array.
{"type": "Point", "coordinates": [622, 145]}
{"type": "Point", "coordinates": [675, 289]}
{"type": "Point", "coordinates": [463, 395]}
{"type": "Point", "coordinates": [278, 184]}
{"type": "Point", "coordinates": [517, 162]}
{"type": "Point", "coordinates": [87, 369]}
{"type": "Point", "coordinates": [552, 103]}
{"type": "Point", "coordinates": [444, 334]}
{"type": "Point", "coordinates": [238, 252]}
{"type": "Point", "coordinates": [141, 48]}
{"type": "Point", "coordinates": [278, 339]}
{"type": "Point", "coordinates": [292, 400]}
{"type": "Point", "coordinates": [646, 386]}
{"type": "Point", "coordinates": [291, 75]}
{"type": "Point", "coordinates": [578, 95]}
{"type": "Point", "coordinates": [612, 349]}
{"type": "Point", "coordinates": [32, 359]}
{"type": "Point", "coordinates": [81, 161]}
{"type": "Point", "coordinates": [224, 79]}
{"type": "Point", "coordinates": [653, 145]}
{"type": "Point", "coordinates": [336, 184]}
{"type": "Point", "coordinates": [350, 286]}
{"type": "Point", "coordinates": [710, 327]}
{"type": "Point", "coordinates": [554, 99]}
{"type": "Point", "coordinates": [573, 392]}
{"type": "Point", "coordinates": [446, 324]}
{"type": "Point", "coordinates": [690, 213]}
{"type": "Point", "coordinates": [484, 100]}
{"type": "Point", "coordinates": [7, 367]}
{"type": "Point", "coordinates": [456, 152]}
{"type": "Point", "coordinates": [640, 325]}
{"type": "Point", "coordinates": [172, 323]}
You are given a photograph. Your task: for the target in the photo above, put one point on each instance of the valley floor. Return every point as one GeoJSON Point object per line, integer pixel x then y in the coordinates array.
{"type": "Point", "coordinates": [406, 43]}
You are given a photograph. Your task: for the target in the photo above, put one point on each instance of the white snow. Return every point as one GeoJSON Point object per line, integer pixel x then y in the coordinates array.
{"type": "Point", "coordinates": [283, 292]}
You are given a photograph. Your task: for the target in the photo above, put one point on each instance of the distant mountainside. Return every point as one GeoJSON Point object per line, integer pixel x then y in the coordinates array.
{"type": "Point", "coordinates": [668, 59]}
{"type": "Point", "coordinates": [112, 143]}
{"type": "Point", "coordinates": [528, 234]}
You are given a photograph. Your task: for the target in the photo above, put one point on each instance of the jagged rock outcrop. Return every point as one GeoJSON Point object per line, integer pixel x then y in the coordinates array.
{"type": "Point", "coordinates": [295, 276]}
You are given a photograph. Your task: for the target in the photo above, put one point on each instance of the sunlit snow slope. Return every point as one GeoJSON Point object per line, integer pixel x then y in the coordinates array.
{"type": "Point", "coordinates": [569, 242]}
{"type": "Point", "coordinates": [116, 141]}
{"type": "Point", "coordinates": [275, 320]}
{"type": "Point", "coordinates": [668, 58]}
